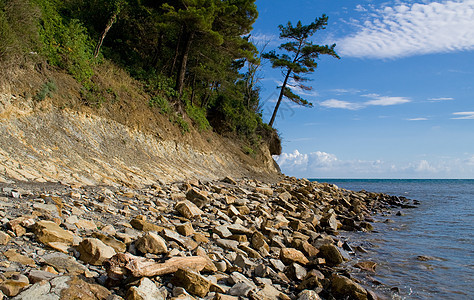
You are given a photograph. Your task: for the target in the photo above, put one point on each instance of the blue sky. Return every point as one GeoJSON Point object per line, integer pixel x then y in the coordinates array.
{"type": "Point", "coordinates": [398, 104]}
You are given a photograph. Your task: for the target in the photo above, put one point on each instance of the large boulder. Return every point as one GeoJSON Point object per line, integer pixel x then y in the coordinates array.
{"type": "Point", "coordinates": [151, 243]}
{"type": "Point", "coordinates": [47, 232]}
{"type": "Point", "coordinates": [345, 288]}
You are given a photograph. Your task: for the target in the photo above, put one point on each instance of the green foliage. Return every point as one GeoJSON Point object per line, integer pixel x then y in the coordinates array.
{"type": "Point", "coordinates": [300, 58]}
{"type": "Point", "coordinates": [66, 43]}
{"type": "Point", "coordinates": [248, 150]}
{"type": "Point", "coordinates": [198, 115]}
{"type": "Point", "coordinates": [46, 90]}
{"type": "Point", "coordinates": [181, 123]}
{"type": "Point", "coordinates": [161, 103]}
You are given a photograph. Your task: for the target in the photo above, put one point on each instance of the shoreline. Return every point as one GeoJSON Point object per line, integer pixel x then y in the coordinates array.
{"type": "Point", "coordinates": [239, 238]}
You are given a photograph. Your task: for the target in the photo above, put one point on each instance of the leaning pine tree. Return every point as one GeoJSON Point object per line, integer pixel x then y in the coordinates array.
{"type": "Point", "coordinates": [301, 59]}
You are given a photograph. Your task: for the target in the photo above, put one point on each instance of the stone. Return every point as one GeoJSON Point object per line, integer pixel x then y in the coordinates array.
{"type": "Point", "coordinates": [12, 255]}
{"type": "Point", "coordinates": [151, 243]}
{"type": "Point", "coordinates": [296, 271]}
{"type": "Point", "coordinates": [110, 241]}
{"type": "Point", "coordinates": [344, 287]}
{"type": "Point", "coordinates": [94, 251]}
{"type": "Point", "coordinates": [308, 295]}
{"type": "Point", "coordinates": [244, 263]}
{"type": "Point", "coordinates": [47, 231]}
{"type": "Point", "coordinates": [268, 292]}
{"type": "Point", "coordinates": [193, 282]}
{"type": "Point", "coordinates": [291, 255]}
{"type": "Point", "coordinates": [227, 244]}
{"type": "Point", "coordinates": [223, 231]}
{"type": "Point", "coordinates": [38, 275]}
{"type": "Point", "coordinates": [85, 224]}
{"type": "Point", "coordinates": [64, 263]}
{"type": "Point", "coordinates": [4, 238]}
{"type": "Point", "coordinates": [12, 288]}
{"type": "Point", "coordinates": [331, 254]}
{"type": "Point", "coordinates": [145, 290]}
{"type": "Point", "coordinates": [143, 225]}
{"type": "Point", "coordinates": [64, 288]}
{"type": "Point", "coordinates": [185, 229]}
{"type": "Point", "coordinates": [183, 241]}
{"type": "Point", "coordinates": [264, 190]}
{"type": "Point", "coordinates": [188, 209]}
{"type": "Point", "coordinates": [366, 266]}
{"type": "Point", "coordinates": [258, 242]}
{"type": "Point", "coordinates": [241, 289]}
{"type": "Point", "coordinates": [330, 221]}
{"type": "Point", "coordinates": [197, 197]}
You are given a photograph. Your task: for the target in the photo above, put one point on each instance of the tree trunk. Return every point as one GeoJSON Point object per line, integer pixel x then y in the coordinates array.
{"type": "Point", "coordinates": [111, 22]}
{"type": "Point", "coordinates": [282, 92]}
{"type": "Point", "coordinates": [176, 52]}
{"type": "Point", "coordinates": [184, 61]}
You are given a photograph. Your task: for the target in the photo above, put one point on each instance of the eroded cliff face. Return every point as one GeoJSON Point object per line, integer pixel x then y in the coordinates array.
{"type": "Point", "coordinates": [47, 144]}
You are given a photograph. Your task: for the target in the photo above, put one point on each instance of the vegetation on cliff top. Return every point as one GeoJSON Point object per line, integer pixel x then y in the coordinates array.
{"type": "Point", "coordinates": [193, 58]}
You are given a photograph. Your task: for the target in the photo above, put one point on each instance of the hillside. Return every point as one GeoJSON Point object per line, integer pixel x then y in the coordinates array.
{"type": "Point", "coordinates": [124, 115]}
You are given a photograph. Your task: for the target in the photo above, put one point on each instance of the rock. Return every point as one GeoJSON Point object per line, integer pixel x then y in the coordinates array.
{"type": "Point", "coordinates": [241, 289]}
{"type": "Point", "coordinates": [47, 231]}
{"type": "Point", "coordinates": [308, 295]}
{"type": "Point", "coordinates": [229, 180]}
{"type": "Point", "coordinates": [268, 292]}
{"type": "Point", "coordinates": [258, 243]}
{"type": "Point", "coordinates": [188, 209]}
{"type": "Point", "coordinates": [344, 287]}
{"type": "Point", "coordinates": [193, 282]}
{"type": "Point", "coordinates": [143, 225]}
{"type": "Point", "coordinates": [296, 271]}
{"type": "Point", "coordinates": [331, 254]}
{"type": "Point", "coordinates": [12, 288]}
{"type": "Point", "coordinates": [4, 238]}
{"type": "Point", "coordinates": [330, 221]}
{"type": "Point", "coordinates": [94, 251]}
{"type": "Point", "coordinates": [222, 231]}
{"type": "Point", "coordinates": [85, 224]}
{"type": "Point", "coordinates": [37, 275]}
{"type": "Point", "coordinates": [64, 263]}
{"type": "Point", "coordinates": [227, 244]}
{"type": "Point", "coordinates": [225, 297]}
{"type": "Point", "coordinates": [110, 241]}
{"type": "Point", "coordinates": [197, 197]}
{"type": "Point", "coordinates": [264, 190]}
{"type": "Point", "coordinates": [151, 243]}
{"type": "Point", "coordinates": [64, 288]}
{"type": "Point", "coordinates": [12, 255]}
{"type": "Point", "coordinates": [185, 229]}
{"type": "Point", "coordinates": [146, 290]}
{"type": "Point", "coordinates": [366, 266]}
{"type": "Point", "coordinates": [291, 255]}
{"type": "Point", "coordinates": [244, 263]}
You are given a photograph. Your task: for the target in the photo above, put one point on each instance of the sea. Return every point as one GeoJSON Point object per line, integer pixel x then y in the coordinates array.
{"type": "Point", "coordinates": [421, 253]}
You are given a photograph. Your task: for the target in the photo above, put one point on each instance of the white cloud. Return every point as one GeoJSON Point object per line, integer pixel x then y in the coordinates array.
{"type": "Point", "coordinates": [441, 99]}
{"type": "Point", "coordinates": [360, 8]}
{"type": "Point", "coordinates": [417, 119]}
{"type": "Point", "coordinates": [334, 103]}
{"type": "Point", "coordinates": [320, 164]}
{"type": "Point", "coordinates": [377, 100]}
{"type": "Point", "coordinates": [413, 29]}
{"type": "Point", "coordinates": [464, 115]}
{"type": "Point", "coordinates": [387, 101]}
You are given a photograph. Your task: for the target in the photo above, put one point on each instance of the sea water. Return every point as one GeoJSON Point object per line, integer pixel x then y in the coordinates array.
{"type": "Point", "coordinates": [425, 252]}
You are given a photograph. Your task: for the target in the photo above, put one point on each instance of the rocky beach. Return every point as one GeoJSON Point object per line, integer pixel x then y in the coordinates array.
{"type": "Point", "coordinates": [222, 239]}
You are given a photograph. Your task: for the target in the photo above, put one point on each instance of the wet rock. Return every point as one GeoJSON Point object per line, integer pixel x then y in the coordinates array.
{"type": "Point", "coordinates": [344, 287]}
{"type": "Point", "coordinates": [145, 290]}
{"type": "Point", "coordinates": [94, 251]}
{"type": "Point", "coordinates": [193, 282]}
{"type": "Point", "coordinates": [331, 254]}
{"type": "Point", "coordinates": [366, 266]}
{"type": "Point", "coordinates": [151, 243]}
{"type": "Point", "coordinates": [291, 255]}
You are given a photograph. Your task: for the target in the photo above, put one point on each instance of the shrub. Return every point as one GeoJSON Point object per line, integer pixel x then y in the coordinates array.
{"type": "Point", "coordinates": [198, 115]}
{"type": "Point", "coordinates": [47, 90]}
{"type": "Point", "coordinates": [161, 103]}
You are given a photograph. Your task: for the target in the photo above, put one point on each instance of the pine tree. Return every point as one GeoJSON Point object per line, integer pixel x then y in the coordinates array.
{"type": "Point", "coordinates": [301, 59]}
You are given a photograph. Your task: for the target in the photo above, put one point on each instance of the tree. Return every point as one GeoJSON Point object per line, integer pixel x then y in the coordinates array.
{"type": "Point", "coordinates": [117, 7]}
{"type": "Point", "coordinates": [300, 60]}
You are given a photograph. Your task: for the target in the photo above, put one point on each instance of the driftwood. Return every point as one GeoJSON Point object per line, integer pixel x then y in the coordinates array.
{"type": "Point", "coordinates": [125, 264]}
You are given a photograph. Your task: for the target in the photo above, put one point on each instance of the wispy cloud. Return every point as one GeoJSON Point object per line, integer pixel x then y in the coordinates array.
{"type": "Point", "coordinates": [334, 103]}
{"type": "Point", "coordinates": [408, 29]}
{"type": "Point", "coordinates": [440, 99]}
{"type": "Point", "coordinates": [386, 101]}
{"type": "Point", "coordinates": [464, 115]}
{"type": "Point", "coordinates": [377, 100]}
{"type": "Point", "coordinates": [417, 119]}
